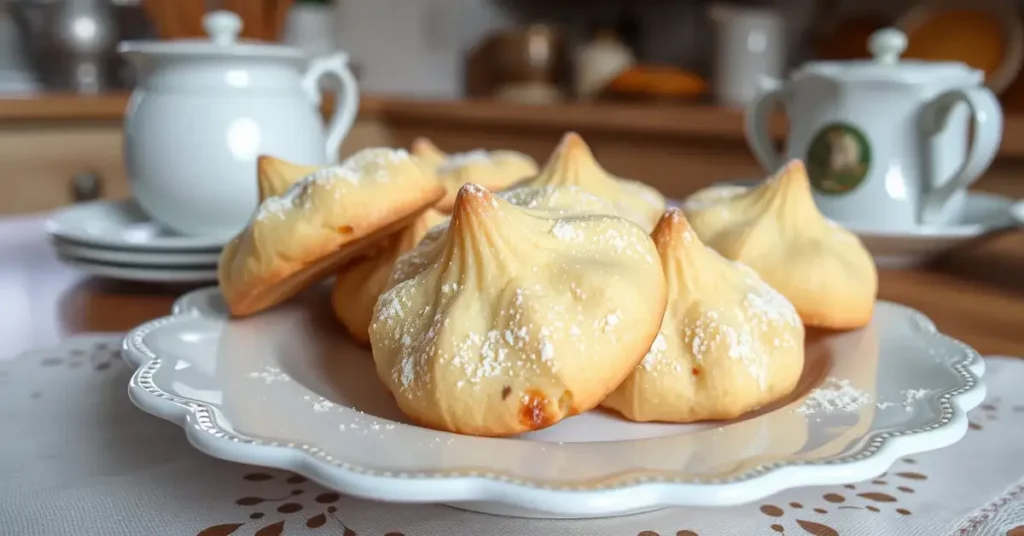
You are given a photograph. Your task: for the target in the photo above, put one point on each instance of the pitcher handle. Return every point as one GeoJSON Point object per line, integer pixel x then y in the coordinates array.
{"type": "Point", "coordinates": [755, 125]}
{"type": "Point", "coordinates": [347, 103]}
{"type": "Point", "coordinates": [987, 121]}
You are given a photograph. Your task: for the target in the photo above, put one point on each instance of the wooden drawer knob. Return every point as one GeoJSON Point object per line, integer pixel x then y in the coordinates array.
{"type": "Point", "coordinates": [86, 186]}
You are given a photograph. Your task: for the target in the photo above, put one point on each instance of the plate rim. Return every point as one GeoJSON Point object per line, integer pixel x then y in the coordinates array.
{"type": "Point", "coordinates": [142, 273]}
{"type": "Point", "coordinates": [69, 233]}
{"type": "Point", "coordinates": [141, 258]}
{"type": "Point", "coordinates": [877, 451]}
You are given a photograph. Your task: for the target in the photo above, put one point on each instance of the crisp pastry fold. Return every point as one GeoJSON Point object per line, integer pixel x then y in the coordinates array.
{"type": "Point", "coordinates": [323, 220]}
{"type": "Point", "coordinates": [511, 319]}
{"type": "Point", "coordinates": [360, 282]}
{"type": "Point", "coordinates": [573, 164]}
{"type": "Point", "coordinates": [728, 343]}
{"type": "Point", "coordinates": [494, 170]}
{"type": "Point", "coordinates": [274, 175]}
{"type": "Point", "coordinates": [776, 229]}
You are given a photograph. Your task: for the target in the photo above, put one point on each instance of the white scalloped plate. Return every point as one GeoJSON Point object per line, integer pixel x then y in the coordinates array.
{"type": "Point", "coordinates": [286, 389]}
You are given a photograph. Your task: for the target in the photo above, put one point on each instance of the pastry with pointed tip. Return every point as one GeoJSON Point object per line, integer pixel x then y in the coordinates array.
{"type": "Point", "coordinates": [516, 318]}
{"type": "Point", "coordinates": [360, 282]}
{"type": "Point", "coordinates": [573, 163]}
{"type": "Point", "coordinates": [776, 229]}
{"type": "Point", "coordinates": [425, 150]}
{"type": "Point", "coordinates": [323, 220]}
{"type": "Point", "coordinates": [274, 175]}
{"type": "Point", "coordinates": [728, 343]}
{"type": "Point", "coordinates": [494, 170]}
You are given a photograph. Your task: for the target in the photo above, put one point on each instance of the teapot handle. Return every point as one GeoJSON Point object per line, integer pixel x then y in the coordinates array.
{"type": "Point", "coordinates": [756, 124]}
{"type": "Point", "coordinates": [987, 122]}
{"type": "Point", "coordinates": [347, 103]}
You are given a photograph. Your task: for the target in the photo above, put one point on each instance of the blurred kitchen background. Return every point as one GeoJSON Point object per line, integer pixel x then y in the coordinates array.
{"type": "Point", "coordinates": [656, 86]}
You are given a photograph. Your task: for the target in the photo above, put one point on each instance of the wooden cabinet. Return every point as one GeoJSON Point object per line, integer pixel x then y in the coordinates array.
{"type": "Point", "coordinates": [47, 166]}
{"type": "Point", "coordinates": [60, 150]}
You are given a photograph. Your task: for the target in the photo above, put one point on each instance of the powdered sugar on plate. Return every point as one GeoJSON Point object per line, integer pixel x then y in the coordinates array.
{"type": "Point", "coordinates": [834, 395]}
{"type": "Point", "coordinates": [270, 375]}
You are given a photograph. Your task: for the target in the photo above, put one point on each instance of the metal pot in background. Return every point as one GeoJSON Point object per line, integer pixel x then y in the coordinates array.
{"type": "Point", "coordinates": [528, 63]}
{"type": "Point", "coordinates": [70, 42]}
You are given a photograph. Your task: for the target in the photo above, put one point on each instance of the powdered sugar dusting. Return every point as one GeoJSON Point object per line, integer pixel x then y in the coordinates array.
{"type": "Point", "coordinates": [564, 230]}
{"type": "Point", "coordinates": [320, 404]}
{"type": "Point", "coordinates": [656, 354]}
{"type": "Point", "coordinates": [913, 395]}
{"type": "Point", "coordinates": [270, 374]}
{"type": "Point", "coordinates": [454, 162]}
{"type": "Point", "coordinates": [559, 200]}
{"type": "Point", "coordinates": [369, 164]}
{"type": "Point", "coordinates": [834, 395]}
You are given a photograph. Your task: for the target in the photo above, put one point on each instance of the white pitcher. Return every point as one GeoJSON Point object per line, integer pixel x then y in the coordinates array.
{"type": "Point", "coordinates": [204, 110]}
{"type": "Point", "coordinates": [885, 141]}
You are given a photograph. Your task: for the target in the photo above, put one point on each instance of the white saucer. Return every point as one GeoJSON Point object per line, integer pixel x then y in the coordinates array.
{"type": "Point", "coordinates": [1017, 211]}
{"type": "Point", "coordinates": [142, 273]}
{"type": "Point", "coordinates": [121, 225]}
{"type": "Point", "coordinates": [142, 259]}
{"type": "Point", "coordinates": [984, 213]}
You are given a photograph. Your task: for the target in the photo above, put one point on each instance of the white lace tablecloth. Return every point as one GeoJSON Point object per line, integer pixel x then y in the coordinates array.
{"type": "Point", "coordinates": [77, 458]}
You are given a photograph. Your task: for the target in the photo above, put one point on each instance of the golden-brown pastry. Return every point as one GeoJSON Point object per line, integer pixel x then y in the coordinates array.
{"type": "Point", "coordinates": [360, 282]}
{"type": "Point", "coordinates": [776, 229]}
{"type": "Point", "coordinates": [572, 163]}
{"type": "Point", "coordinates": [296, 239]}
{"type": "Point", "coordinates": [494, 170]}
{"type": "Point", "coordinates": [516, 318]}
{"type": "Point", "coordinates": [274, 175]}
{"type": "Point", "coordinates": [728, 344]}
{"type": "Point", "coordinates": [427, 153]}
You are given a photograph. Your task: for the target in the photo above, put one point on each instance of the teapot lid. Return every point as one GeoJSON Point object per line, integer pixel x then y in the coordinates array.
{"type": "Point", "coordinates": [886, 46]}
{"type": "Point", "coordinates": [223, 27]}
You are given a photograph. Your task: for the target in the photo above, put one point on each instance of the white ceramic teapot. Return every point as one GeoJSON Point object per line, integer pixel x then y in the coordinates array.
{"type": "Point", "coordinates": [204, 110]}
{"type": "Point", "coordinates": [885, 141]}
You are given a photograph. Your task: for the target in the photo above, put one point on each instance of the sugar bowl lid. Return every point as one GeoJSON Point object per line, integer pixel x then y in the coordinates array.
{"type": "Point", "coordinates": [886, 46]}
{"type": "Point", "coordinates": [223, 28]}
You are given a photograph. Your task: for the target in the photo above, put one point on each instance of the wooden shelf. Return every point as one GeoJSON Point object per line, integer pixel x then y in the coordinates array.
{"type": "Point", "coordinates": [683, 120]}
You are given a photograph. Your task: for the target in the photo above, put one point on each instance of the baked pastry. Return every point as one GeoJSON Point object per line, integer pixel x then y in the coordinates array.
{"type": "Point", "coordinates": [424, 151]}
{"type": "Point", "coordinates": [572, 163]}
{"type": "Point", "coordinates": [274, 175]}
{"type": "Point", "coordinates": [728, 344]}
{"type": "Point", "coordinates": [515, 318]}
{"type": "Point", "coordinates": [494, 170]}
{"type": "Point", "coordinates": [360, 282]}
{"type": "Point", "coordinates": [325, 218]}
{"type": "Point", "coordinates": [561, 200]}
{"type": "Point", "coordinates": [776, 229]}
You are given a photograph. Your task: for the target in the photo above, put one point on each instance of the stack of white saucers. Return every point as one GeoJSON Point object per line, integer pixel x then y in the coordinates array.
{"type": "Point", "coordinates": [115, 239]}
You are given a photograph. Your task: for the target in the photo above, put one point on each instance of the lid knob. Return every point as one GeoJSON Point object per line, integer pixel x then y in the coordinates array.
{"type": "Point", "coordinates": [887, 45]}
{"type": "Point", "coordinates": [222, 26]}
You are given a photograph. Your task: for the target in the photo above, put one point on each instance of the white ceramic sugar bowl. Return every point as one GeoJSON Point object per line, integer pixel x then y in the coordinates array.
{"type": "Point", "coordinates": [204, 110]}
{"type": "Point", "coordinates": [885, 140]}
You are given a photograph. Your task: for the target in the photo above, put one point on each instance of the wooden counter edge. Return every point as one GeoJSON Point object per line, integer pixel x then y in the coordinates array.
{"type": "Point", "coordinates": [682, 120]}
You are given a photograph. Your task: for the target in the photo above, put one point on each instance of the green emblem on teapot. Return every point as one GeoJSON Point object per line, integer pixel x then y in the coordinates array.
{"type": "Point", "coordinates": [838, 159]}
